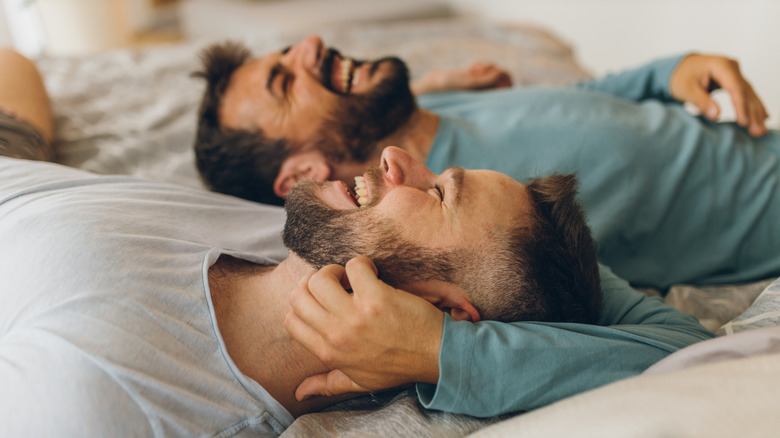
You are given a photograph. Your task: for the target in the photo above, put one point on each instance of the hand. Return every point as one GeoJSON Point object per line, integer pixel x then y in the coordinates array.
{"type": "Point", "coordinates": [698, 75]}
{"type": "Point", "coordinates": [479, 76]}
{"type": "Point", "coordinates": [377, 337]}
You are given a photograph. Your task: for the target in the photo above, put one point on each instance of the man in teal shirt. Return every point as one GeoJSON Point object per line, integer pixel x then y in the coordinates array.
{"type": "Point", "coordinates": [379, 337]}
{"type": "Point", "coordinates": [670, 197]}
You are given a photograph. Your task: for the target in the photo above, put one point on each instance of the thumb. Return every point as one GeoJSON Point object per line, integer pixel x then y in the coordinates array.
{"type": "Point", "coordinates": [327, 384]}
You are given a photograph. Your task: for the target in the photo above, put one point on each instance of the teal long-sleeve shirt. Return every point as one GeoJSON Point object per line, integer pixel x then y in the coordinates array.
{"type": "Point", "coordinates": [670, 197]}
{"type": "Point", "coordinates": [489, 368]}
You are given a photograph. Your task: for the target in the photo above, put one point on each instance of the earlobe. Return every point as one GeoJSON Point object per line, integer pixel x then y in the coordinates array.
{"type": "Point", "coordinates": [283, 184]}
{"type": "Point", "coordinates": [447, 297]}
{"type": "Point", "coordinates": [310, 164]}
{"type": "Point", "coordinates": [466, 312]}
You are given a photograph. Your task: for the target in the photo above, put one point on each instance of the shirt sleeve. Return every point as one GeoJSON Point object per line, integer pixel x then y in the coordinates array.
{"type": "Point", "coordinates": [489, 368]}
{"type": "Point", "coordinates": [651, 81]}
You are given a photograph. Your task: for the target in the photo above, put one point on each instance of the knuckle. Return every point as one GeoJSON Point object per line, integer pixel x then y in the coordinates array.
{"type": "Point", "coordinates": [336, 339]}
{"type": "Point", "coordinates": [326, 356]}
{"type": "Point", "coordinates": [370, 309]}
{"type": "Point", "coordinates": [318, 279]}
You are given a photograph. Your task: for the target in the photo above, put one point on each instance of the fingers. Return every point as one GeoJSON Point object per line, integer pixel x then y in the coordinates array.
{"type": "Point", "coordinates": [329, 287]}
{"type": "Point", "coordinates": [748, 108]}
{"type": "Point", "coordinates": [305, 311]}
{"type": "Point", "coordinates": [313, 303]}
{"type": "Point", "coordinates": [488, 75]}
{"type": "Point", "coordinates": [693, 77]}
{"type": "Point", "coordinates": [321, 301]}
{"type": "Point", "coordinates": [363, 275]}
{"type": "Point", "coordinates": [329, 384]}
{"type": "Point", "coordinates": [702, 100]}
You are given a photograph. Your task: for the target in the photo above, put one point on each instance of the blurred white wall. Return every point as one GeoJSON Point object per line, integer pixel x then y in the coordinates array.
{"type": "Point", "coordinates": [5, 33]}
{"type": "Point", "coordinates": [72, 27]}
{"type": "Point", "coordinates": [611, 35]}
{"type": "Point", "coordinates": [607, 35]}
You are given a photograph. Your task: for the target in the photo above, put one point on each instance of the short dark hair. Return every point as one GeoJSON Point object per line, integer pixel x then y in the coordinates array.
{"type": "Point", "coordinates": [237, 162]}
{"type": "Point", "coordinates": [543, 270]}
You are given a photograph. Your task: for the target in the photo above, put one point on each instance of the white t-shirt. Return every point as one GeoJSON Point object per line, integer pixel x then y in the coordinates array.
{"type": "Point", "coordinates": [106, 322]}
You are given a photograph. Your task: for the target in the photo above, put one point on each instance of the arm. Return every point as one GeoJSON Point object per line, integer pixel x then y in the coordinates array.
{"type": "Point", "coordinates": [490, 368]}
{"type": "Point", "coordinates": [479, 76]}
{"type": "Point", "coordinates": [689, 78]}
{"type": "Point", "coordinates": [650, 81]}
{"type": "Point", "coordinates": [483, 369]}
{"type": "Point", "coordinates": [22, 92]}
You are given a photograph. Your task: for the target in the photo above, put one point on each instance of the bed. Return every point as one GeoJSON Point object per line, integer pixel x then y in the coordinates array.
{"type": "Point", "coordinates": [133, 112]}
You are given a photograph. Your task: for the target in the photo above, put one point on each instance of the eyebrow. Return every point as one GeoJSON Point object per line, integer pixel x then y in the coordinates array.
{"type": "Point", "coordinates": [456, 175]}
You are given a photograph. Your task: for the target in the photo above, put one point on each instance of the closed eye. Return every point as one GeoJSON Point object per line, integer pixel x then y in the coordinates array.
{"type": "Point", "coordinates": [288, 78]}
{"type": "Point", "coordinates": [441, 193]}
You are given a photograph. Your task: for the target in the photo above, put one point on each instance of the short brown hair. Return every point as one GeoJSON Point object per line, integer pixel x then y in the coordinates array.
{"type": "Point", "coordinates": [236, 162]}
{"type": "Point", "coordinates": [543, 270]}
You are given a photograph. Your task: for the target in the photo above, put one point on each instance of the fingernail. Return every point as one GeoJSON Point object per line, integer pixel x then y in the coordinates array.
{"type": "Point", "coordinates": [712, 111]}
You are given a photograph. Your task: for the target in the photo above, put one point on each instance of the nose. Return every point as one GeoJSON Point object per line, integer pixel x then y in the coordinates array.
{"type": "Point", "coordinates": [306, 53]}
{"type": "Point", "coordinates": [402, 169]}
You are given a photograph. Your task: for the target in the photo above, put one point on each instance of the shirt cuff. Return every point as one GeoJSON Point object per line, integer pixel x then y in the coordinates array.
{"type": "Point", "coordinates": [455, 355]}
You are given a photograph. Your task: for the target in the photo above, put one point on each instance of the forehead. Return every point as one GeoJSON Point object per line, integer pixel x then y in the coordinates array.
{"type": "Point", "coordinates": [246, 93]}
{"type": "Point", "coordinates": [493, 198]}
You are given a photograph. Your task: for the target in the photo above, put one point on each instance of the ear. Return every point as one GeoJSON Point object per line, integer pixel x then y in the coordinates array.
{"type": "Point", "coordinates": [310, 164]}
{"type": "Point", "coordinates": [448, 297]}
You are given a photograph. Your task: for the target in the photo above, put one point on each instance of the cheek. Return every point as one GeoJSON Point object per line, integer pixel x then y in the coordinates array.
{"type": "Point", "coordinates": [421, 220]}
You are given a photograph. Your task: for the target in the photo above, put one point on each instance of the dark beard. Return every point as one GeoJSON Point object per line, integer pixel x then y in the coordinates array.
{"type": "Point", "coordinates": [357, 126]}
{"type": "Point", "coordinates": [317, 233]}
{"type": "Point", "coordinates": [321, 235]}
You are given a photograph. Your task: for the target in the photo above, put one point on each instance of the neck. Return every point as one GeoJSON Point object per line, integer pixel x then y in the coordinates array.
{"type": "Point", "coordinates": [250, 303]}
{"type": "Point", "coordinates": [415, 136]}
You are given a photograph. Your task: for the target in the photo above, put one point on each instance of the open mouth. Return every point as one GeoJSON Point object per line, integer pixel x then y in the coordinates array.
{"type": "Point", "coordinates": [361, 191]}
{"type": "Point", "coordinates": [339, 195]}
{"type": "Point", "coordinates": [343, 74]}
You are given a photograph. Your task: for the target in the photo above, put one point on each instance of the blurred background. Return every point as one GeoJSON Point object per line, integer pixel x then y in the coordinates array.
{"type": "Point", "coordinates": [607, 35]}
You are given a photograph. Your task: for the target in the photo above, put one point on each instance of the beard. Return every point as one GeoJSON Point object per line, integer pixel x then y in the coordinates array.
{"type": "Point", "coordinates": [322, 235]}
{"type": "Point", "coordinates": [357, 125]}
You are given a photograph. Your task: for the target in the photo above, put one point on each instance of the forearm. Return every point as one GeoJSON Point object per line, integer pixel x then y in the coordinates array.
{"type": "Point", "coordinates": [650, 81]}
{"type": "Point", "coordinates": [489, 368]}
{"type": "Point", "coordinates": [478, 76]}
{"type": "Point", "coordinates": [22, 92]}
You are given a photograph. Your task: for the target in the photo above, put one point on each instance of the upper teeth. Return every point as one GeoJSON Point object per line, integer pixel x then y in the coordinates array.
{"type": "Point", "coordinates": [346, 69]}
{"type": "Point", "coordinates": [361, 191]}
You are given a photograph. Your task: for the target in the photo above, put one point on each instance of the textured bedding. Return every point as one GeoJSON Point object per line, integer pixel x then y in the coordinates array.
{"type": "Point", "coordinates": [133, 112]}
